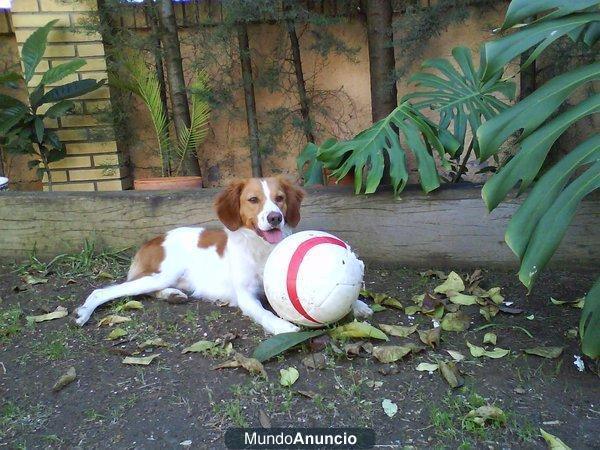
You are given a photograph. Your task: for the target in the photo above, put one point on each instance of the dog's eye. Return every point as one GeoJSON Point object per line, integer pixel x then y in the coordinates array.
{"type": "Point", "coordinates": [253, 199]}
{"type": "Point", "coordinates": [279, 198]}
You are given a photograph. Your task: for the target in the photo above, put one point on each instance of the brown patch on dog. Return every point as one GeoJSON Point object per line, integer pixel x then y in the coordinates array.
{"type": "Point", "coordinates": [213, 238]}
{"type": "Point", "coordinates": [227, 205]}
{"type": "Point", "coordinates": [148, 259]}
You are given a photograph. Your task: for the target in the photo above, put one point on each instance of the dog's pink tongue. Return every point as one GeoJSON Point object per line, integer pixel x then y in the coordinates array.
{"type": "Point", "coordinates": [273, 236]}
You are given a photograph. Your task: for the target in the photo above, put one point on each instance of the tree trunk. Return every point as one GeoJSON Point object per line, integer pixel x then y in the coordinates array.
{"type": "Point", "coordinates": [251, 119]}
{"type": "Point", "coordinates": [177, 91]}
{"type": "Point", "coordinates": [300, 83]}
{"type": "Point", "coordinates": [381, 58]}
{"type": "Point", "coordinates": [160, 73]}
{"type": "Point", "coordinates": [527, 81]}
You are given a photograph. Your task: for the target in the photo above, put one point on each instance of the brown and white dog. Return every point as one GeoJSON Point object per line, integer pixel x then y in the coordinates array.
{"type": "Point", "coordinates": [218, 265]}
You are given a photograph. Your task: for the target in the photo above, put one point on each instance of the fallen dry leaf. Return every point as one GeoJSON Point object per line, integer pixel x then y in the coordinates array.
{"type": "Point", "coordinates": [486, 413]}
{"type": "Point", "coordinates": [489, 311]}
{"type": "Point", "coordinates": [288, 376]}
{"type": "Point", "coordinates": [463, 299]}
{"type": "Point", "coordinates": [357, 330]}
{"type": "Point", "coordinates": [490, 338]}
{"type": "Point", "coordinates": [458, 321]}
{"type": "Point", "coordinates": [132, 304]}
{"type": "Point", "coordinates": [389, 407]}
{"type": "Point", "coordinates": [478, 352]}
{"type": "Point", "coordinates": [430, 337]}
{"type": "Point", "coordinates": [113, 319]}
{"type": "Point", "coordinates": [200, 347]}
{"type": "Point", "coordinates": [156, 342]}
{"type": "Point", "coordinates": [545, 352]}
{"type": "Point", "coordinates": [264, 419]}
{"type": "Point", "coordinates": [58, 313]}
{"type": "Point", "coordinates": [451, 374]}
{"type": "Point", "coordinates": [33, 280]}
{"type": "Point", "coordinates": [456, 356]}
{"type": "Point", "coordinates": [553, 442]}
{"type": "Point", "coordinates": [427, 367]}
{"type": "Point", "coordinates": [453, 283]}
{"type": "Point", "coordinates": [391, 353]}
{"type": "Point", "coordinates": [398, 330]}
{"type": "Point", "coordinates": [116, 334]}
{"type": "Point", "coordinates": [308, 394]}
{"type": "Point", "coordinates": [67, 378]}
{"type": "Point", "coordinates": [140, 361]}
{"type": "Point", "coordinates": [252, 365]}
{"type": "Point", "coordinates": [315, 361]}
{"type": "Point", "coordinates": [412, 310]}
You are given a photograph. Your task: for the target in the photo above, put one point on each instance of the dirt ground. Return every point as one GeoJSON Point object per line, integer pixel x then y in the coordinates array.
{"type": "Point", "coordinates": [179, 398]}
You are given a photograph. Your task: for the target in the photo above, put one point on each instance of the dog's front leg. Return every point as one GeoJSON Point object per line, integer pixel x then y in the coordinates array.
{"type": "Point", "coordinates": [251, 307]}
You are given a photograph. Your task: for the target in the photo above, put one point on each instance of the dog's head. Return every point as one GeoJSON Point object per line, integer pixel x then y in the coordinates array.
{"type": "Point", "coordinates": [263, 205]}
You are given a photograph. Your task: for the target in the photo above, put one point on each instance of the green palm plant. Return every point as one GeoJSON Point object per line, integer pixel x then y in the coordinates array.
{"type": "Point", "coordinates": [144, 83]}
{"type": "Point", "coordinates": [22, 127]}
{"type": "Point", "coordinates": [364, 154]}
{"type": "Point", "coordinates": [536, 229]}
{"type": "Point", "coordinates": [462, 97]}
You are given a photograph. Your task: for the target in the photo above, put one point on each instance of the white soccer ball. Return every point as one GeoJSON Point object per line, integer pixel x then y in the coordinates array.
{"type": "Point", "coordinates": [312, 278]}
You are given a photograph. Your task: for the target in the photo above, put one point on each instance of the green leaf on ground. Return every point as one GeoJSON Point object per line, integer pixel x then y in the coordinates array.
{"type": "Point", "coordinates": [116, 334]}
{"type": "Point", "coordinates": [463, 299]}
{"type": "Point", "coordinates": [412, 310]}
{"type": "Point", "coordinates": [430, 337]}
{"type": "Point", "coordinates": [490, 338]}
{"type": "Point", "coordinates": [288, 376]}
{"type": "Point", "coordinates": [389, 407]}
{"type": "Point", "coordinates": [458, 321]}
{"type": "Point", "coordinates": [398, 330]}
{"type": "Point", "coordinates": [545, 352]}
{"type": "Point", "coordinates": [58, 313]}
{"type": "Point", "coordinates": [456, 356]}
{"type": "Point", "coordinates": [391, 353]}
{"type": "Point", "coordinates": [553, 442]}
{"type": "Point", "coordinates": [113, 319]}
{"type": "Point", "coordinates": [478, 352]}
{"type": "Point", "coordinates": [427, 367]}
{"type": "Point", "coordinates": [200, 347]}
{"type": "Point", "coordinates": [377, 308]}
{"type": "Point", "coordinates": [133, 304]}
{"type": "Point", "coordinates": [451, 374]}
{"type": "Point", "coordinates": [453, 283]}
{"type": "Point", "coordinates": [139, 361]}
{"type": "Point", "coordinates": [485, 414]}
{"type": "Point", "coordinates": [65, 379]}
{"type": "Point", "coordinates": [281, 342]}
{"type": "Point", "coordinates": [357, 330]}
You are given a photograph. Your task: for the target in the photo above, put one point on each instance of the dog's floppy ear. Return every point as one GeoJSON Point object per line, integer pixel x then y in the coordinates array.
{"type": "Point", "coordinates": [294, 196]}
{"type": "Point", "coordinates": [227, 205]}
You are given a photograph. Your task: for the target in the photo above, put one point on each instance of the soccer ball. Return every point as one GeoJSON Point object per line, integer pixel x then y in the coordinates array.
{"type": "Point", "coordinates": [312, 278]}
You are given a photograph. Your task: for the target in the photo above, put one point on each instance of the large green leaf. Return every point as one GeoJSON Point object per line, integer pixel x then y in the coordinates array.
{"type": "Point", "coordinates": [59, 109]}
{"type": "Point", "coordinates": [589, 324]}
{"type": "Point", "coordinates": [544, 193]}
{"type": "Point", "coordinates": [190, 138]}
{"type": "Point", "coordinates": [554, 223]}
{"type": "Point", "coordinates": [533, 150]}
{"type": "Point", "coordinates": [34, 48]}
{"type": "Point", "coordinates": [282, 342]}
{"type": "Point", "coordinates": [309, 166]}
{"type": "Point", "coordinates": [70, 90]}
{"type": "Point", "coordinates": [500, 52]}
{"type": "Point", "coordinates": [531, 112]}
{"type": "Point", "coordinates": [8, 101]}
{"type": "Point", "coordinates": [10, 117]}
{"type": "Point", "coordinates": [459, 94]}
{"type": "Point", "coordinates": [365, 152]}
{"type": "Point", "coordinates": [519, 11]}
{"type": "Point", "coordinates": [57, 73]}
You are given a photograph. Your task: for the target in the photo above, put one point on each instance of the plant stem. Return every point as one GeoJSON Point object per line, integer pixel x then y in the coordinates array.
{"type": "Point", "coordinates": [46, 168]}
{"type": "Point", "coordinates": [461, 169]}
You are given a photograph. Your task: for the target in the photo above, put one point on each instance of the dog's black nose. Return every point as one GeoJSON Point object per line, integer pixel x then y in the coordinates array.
{"type": "Point", "coordinates": [274, 218]}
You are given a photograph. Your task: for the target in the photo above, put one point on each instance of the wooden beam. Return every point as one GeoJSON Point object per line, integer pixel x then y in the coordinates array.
{"type": "Point", "coordinates": [450, 227]}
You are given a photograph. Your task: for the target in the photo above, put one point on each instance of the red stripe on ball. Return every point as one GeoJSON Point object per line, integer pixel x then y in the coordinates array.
{"type": "Point", "coordinates": [294, 267]}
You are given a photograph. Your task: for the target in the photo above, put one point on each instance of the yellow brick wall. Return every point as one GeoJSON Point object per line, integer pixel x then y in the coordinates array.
{"type": "Point", "coordinates": [90, 165]}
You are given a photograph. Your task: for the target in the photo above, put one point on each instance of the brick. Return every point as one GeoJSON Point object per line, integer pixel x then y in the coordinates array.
{"type": "Point", "coordinates": [92, 147]}
{"type": "Point", "coordinates": [78, 121]}
{"type": "Point", "coordinates": [96, 106]}
{"type": "Point", "coordinates": [90, 49]}
{"type": "Point", "coordinates": [99, 93]}
{"type": "Point", "coordinates": [95, 174]}
{"type": "Point", "coordinates": [94, 64]}
{"type": "Point", "coordinates": [25, 6]}
{"type": "Point", "coordinates": [72, 5]}
{"type": "Point", "coordinates": [60, 50]}
{"type": "Point", "coordinates": [43, 66]}
{"type": "Point", "coordinates": [106, 160]}
{"type": "Point", "coordinates": [93, 75]}
{"type": "Point", "coordinates": [50, 123]}
{"type": "Point", "coordinates": [77, 134]}
{"type": "Point", "coordinates": [72, 161]}
{"type": "Point", "coordinates": [58, 35]}
{"type": "Point", "coordinates": [35, 80]}
{"type": "Point", "coordinates": [72, 187]}
{"type": "Point", "coordinates": [46, 106]}
{"type": "Point", "coordinates": [114, 185]}
{"type": "Point", "coordinates": [26, 20]}
{"type": "Point", "coordinates": [58, 176]}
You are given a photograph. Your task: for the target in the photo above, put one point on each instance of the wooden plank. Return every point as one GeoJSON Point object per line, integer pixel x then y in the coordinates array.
{"type": "Point", "coordinates": [449, 227]}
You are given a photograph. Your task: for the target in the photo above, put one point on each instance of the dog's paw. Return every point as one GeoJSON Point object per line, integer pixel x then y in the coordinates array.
{"type": "Point", "coordinates": [281, 327]}
{"type": "Point", "coordinates": [361, 310]}
{"type": "Point", "coordinates": [81, 315]}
